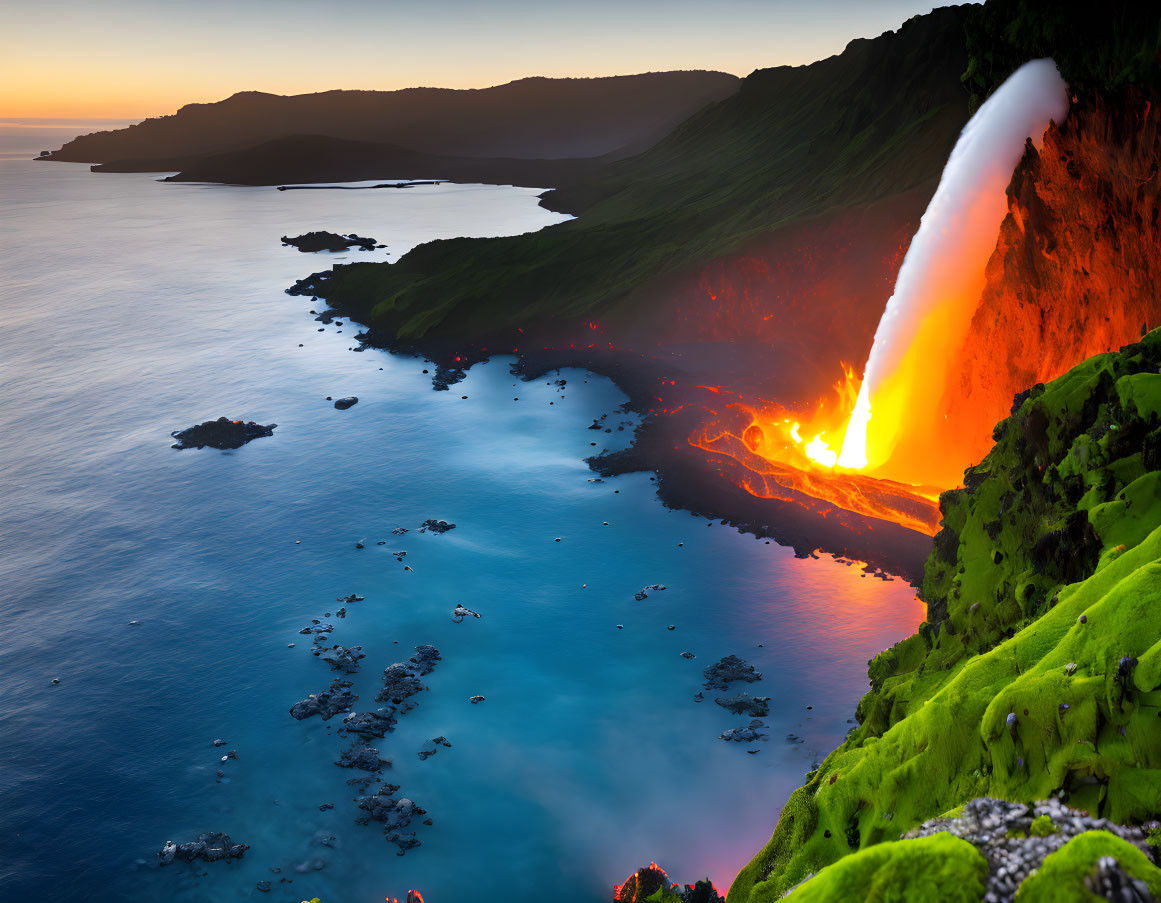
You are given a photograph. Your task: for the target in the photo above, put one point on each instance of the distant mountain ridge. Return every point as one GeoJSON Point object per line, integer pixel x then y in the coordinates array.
{"type": "Point", "coordinates": [529, 118]}
{"type": "Point", "coordinates": [320, 158]}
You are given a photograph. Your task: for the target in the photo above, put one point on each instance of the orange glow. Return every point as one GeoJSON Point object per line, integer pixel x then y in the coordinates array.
{"type": "Point", "coordinates": [782, 455]}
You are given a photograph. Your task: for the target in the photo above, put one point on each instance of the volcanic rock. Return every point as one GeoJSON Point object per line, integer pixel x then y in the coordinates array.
{"type": "Point", "coordinates": [311, 242]}
{"type": "Point", "coordinates": [1003, 832]}
{"type": "Point", "coordinates": [340, 658]}
{"type": "Point", "coordinates": [370, 724]}
{"type": "Point", "coordinates": [349, 401]}
{"type": "Point", "coordinates": [339, 698]}
{"type": "Point", "coordinates": [745, 704]}
{"type": "Point", "coordinates": [432, 747]}
{"type": "Point", "coordinates": [747, 734]}
{"type": "Point", "coordinates": [365, 758]}
{"type": "Point", "coordinates": [435, 526]}
{"type": "Point", "coordinates": [222, 433]}
{"type": "Point", "coordinates": [461, 612]}
{"type": "Point", "coordinates": [718, 676]}
{"type": "Point", "coordinates": [207, 847]}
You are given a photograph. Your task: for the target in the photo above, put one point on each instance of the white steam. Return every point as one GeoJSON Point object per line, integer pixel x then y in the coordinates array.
{"type": "Point", "coordinates": [943, 272]}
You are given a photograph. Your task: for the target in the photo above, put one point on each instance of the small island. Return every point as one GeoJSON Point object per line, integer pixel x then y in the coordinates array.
{"type": "Point", "coordinates": [312, 242]}
{"type": "Point", "coordinates": [222, 433]}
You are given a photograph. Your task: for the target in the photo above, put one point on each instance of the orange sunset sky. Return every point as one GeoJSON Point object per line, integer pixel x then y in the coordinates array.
{"type": "Point", "coordinates": [130, 59]}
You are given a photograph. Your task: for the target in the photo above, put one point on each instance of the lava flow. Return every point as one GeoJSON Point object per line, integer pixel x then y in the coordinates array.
{"type": "Point", "coordinates": [783, 455]}
{"type": "Point", "coordinates": [856, 447]}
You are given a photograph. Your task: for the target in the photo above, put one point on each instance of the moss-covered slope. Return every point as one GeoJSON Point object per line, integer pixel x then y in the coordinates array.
{"type": "Point", "coordinates": [1040, 672]}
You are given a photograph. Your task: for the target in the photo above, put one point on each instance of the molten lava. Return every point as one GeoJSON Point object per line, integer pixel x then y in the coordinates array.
{"type": "Point", "coordinates": [783, 455]}
{"type": "Point", "coordinates": [895, 430]}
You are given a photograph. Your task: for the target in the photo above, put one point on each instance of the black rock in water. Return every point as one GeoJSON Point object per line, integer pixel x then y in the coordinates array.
{"type": "Point", "coordinates": [370, 724]}
{"type": "Point", "coordinates": [718, 676]}
{"type": "Point", "coordinates": [344, 659]}
{"type": "Point", "coordinates": [207, 847]}
{"type": "Point", "coordinates": [435, 526]}
{"type": "Point", "coordinates": [349, 402]}
{"type": "Point", "coordinates": [745, 704]}
{"type": "Point", "coordinates": [431, 747]}
{"type": "Point", "coordinates": [425, 658]}
{"type": "Point", "coordinates": [401, 680]}
{"type": "Point", "coordinates": [222, 433]}
{"type": "Point", "coordinates": [747, 734]}
{"type": "Point", "coordinates": [394, 815]}
{"type": "Point", "coordinates": [311, 242]}
{"type": "Point", "coordinates": [365, 758]}
{"type": "Point", "coordinates": [446, 377]}
{"type": "Point", "coordinates": [339, 698]}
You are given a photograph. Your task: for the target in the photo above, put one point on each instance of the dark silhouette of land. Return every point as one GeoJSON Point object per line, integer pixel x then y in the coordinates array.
{"type": "Point", "coordinates": [532, 118]}
{"type": "Point", "coordinates": [320, 158]}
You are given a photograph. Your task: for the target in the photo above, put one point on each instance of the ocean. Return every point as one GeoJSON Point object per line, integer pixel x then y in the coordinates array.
{"type": "Point", "coordinates": [163, 588]}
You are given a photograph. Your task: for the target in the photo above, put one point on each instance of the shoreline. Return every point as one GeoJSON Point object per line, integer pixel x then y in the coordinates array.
{"type": "Point", "coordinates": [686, 477]}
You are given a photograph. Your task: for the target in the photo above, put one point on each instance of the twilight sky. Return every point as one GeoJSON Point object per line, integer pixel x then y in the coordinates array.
{"type": "Point", "coordinates": [138, 58]}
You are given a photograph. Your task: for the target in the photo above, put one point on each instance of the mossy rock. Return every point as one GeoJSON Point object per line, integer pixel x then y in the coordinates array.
{"type": "Point", "coordinates": [1061, 877]}
{"type": "Point", "coordinates": [1071, 498]}
{"type": "Point", "coordinates": [939, 867]}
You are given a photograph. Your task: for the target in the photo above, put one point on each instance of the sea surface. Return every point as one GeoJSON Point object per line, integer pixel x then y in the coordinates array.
{"type": "Point", "coordinates": [130, 309]}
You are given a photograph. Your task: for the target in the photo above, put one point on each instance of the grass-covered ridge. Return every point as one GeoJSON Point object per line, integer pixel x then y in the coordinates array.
{"type": "Point", "coordinates": [792, 144]}
{"type": "Point", "coordinates": [1042, 672]}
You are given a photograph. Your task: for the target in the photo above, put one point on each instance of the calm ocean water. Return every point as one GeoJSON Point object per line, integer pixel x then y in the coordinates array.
{"type": "Point", "coordinates": [130, 309]}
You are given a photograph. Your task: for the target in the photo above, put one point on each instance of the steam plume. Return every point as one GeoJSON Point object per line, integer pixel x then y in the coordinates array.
{"type": "Point", "coordinates": [942, 278]}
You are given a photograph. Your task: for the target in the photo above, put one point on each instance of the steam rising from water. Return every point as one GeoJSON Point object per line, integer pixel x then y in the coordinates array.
{"type": "Point", "coordinates": [942, 278]}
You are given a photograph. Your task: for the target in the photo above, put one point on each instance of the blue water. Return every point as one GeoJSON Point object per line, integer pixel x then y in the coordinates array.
{"type": "Point", "coordinates": [129, 309]}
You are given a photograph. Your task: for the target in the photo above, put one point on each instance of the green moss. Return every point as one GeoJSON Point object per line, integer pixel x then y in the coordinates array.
{"type": "Point", "coordinates": [939, 867]}
{"type": "Point", "coordinates": [1005, 637]}
{"type": "Point", "coordinates": [1061, 877]}
{"type": "Point", "coordinates": [1042, 826]}
{"type": "Point", "coordinates": [1095, 45]}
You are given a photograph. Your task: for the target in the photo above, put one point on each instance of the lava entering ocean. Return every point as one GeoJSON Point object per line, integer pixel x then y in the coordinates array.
{"type": "Point", "coordinates": [780, 455]}
{"type": "Point", "coordinates": [878, 447]}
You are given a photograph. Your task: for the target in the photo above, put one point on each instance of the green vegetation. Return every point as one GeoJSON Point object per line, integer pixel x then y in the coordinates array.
{"type": "Point", "coordinates": [1061, 876]}
{"type": "Point", "coordinates": [1040, 670]}
{"type": "Point", "coordinates": [1042, 826]}
{"type": "Point", "coordinates": [792, 144]}
{"type": "Point", "coordinates": [1096, 44]}
{"type": "Point", "coordinates": [940, 867]}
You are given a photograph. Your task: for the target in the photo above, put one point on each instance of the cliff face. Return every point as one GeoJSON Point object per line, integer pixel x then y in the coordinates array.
{"type": "Point", "coordinates": [1076, 267]}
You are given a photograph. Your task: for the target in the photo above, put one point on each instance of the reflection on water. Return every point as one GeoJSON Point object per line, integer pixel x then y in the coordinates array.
{"type": "Point", "coordinates": [131, 309]}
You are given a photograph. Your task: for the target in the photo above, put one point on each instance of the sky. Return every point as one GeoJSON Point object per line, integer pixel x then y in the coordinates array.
{"type": "Point", "coordinates": [129, 59]}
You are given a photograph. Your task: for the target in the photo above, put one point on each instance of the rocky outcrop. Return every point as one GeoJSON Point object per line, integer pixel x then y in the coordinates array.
{"type": "Point", "coordinates": [401, 680]}
{"type": "Point", "coordinates": [310, 242]}
{"type": "Point", "coordinates": [1075, 268]}
{"type": "Point", "coordinates": [222, 433]}
{"type": "Point", "coordinates": [720, 675]}
{"type": "Point", "coordinates": [207, 848]}
{"type": "Point", "coordinates": [334, 701]}
{"type": "Point", "coordinates": [745, 704]}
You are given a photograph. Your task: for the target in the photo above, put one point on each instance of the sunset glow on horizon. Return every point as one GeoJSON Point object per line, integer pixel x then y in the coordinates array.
{"type": "Point", "coordinates": [130, 60]}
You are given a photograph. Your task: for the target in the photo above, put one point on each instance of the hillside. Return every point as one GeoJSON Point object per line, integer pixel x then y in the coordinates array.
{"type": "Point", "coordinates": [1038, 673]}
{"type": "Point", "coordinates": [842, 154]}
{"type": "Point", "coordinates": [530, 118]}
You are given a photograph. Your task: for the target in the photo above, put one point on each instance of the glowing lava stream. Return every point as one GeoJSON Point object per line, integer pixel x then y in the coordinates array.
{"type": "Point", "coordinates": [887, 425]}
{"type": "Point", "coordinates": [892, 430]}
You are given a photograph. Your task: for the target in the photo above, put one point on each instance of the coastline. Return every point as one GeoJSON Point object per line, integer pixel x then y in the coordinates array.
{"type": "Point", "coordinates": [686, 478]}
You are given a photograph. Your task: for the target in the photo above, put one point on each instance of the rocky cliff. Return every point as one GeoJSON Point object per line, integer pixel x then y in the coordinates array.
{"type": "Point", "coordinates": [1076, 265]}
